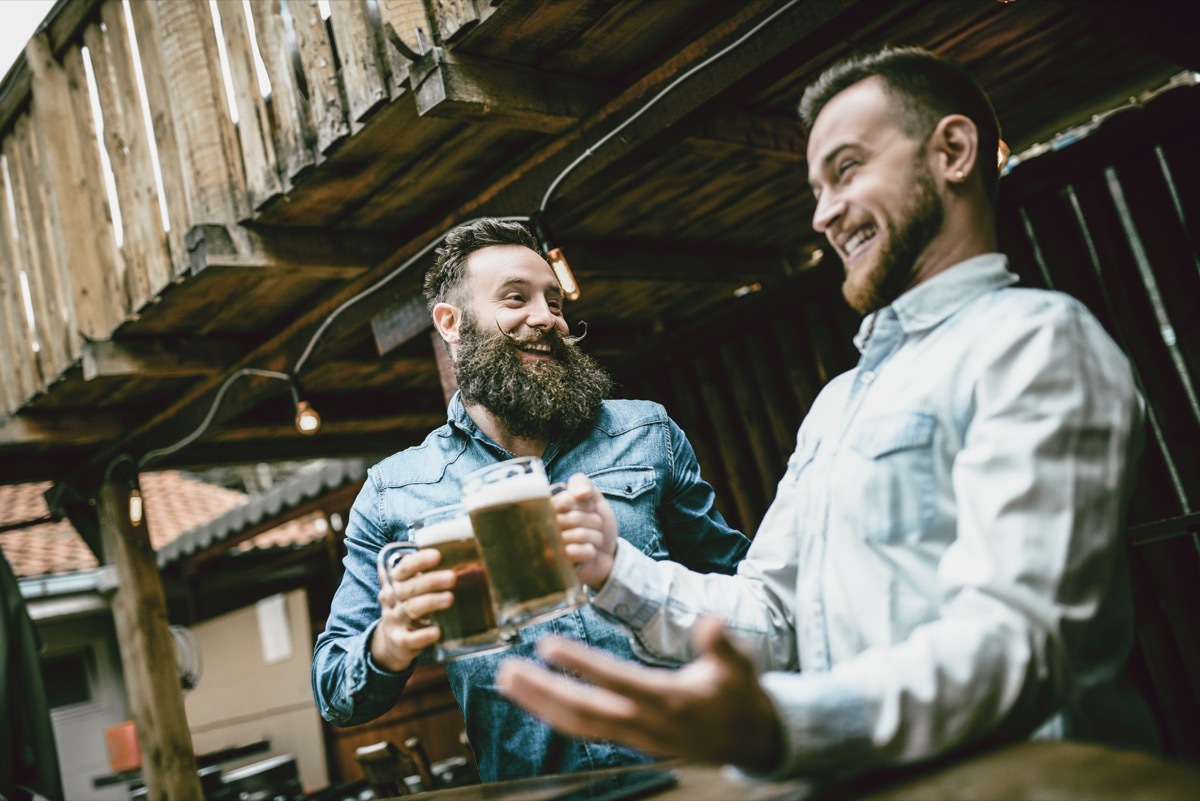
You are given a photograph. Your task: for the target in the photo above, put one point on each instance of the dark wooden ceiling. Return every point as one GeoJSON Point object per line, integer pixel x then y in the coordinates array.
{"type": "Point", "coordinates": [704, 194]}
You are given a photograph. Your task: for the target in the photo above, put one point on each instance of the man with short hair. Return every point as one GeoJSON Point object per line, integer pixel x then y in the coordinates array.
{"type": "Point", "coordinates": [942, 565]}
{"type": "Point", "coordinates": [525, 389]}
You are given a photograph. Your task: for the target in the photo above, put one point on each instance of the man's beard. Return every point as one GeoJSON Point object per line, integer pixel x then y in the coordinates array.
{"type": "Point", "coordinates": [907, 238]}
{"type": "Point", "coordinates": [538, 400]}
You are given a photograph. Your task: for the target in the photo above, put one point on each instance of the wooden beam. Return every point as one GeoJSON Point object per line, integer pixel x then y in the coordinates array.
{"type": "Point", "coordinates": [774, 49]}
{"type": "Point", "coordinates": [420, 421]}
{"type": "Point", "coordinates": [147, 650]}
{"type": "Point", "coordinates": [396, 325]}
{"type": "Point", "coordinates": [317, 254]}
{"type": "Point", "coordinates": [158, 358]}
{"type": "Point", "coordinates": [74, 428]}
{"type": "Point", "coordinates": [475, 90]}
{"type": "Point", "coordinates": [769, 138]}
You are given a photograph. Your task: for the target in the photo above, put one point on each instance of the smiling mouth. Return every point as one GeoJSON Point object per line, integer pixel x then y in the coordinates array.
{"type": "Point", "coordinates": [536, 349]}
{"type": "Point", "coordinates": [860, 238]}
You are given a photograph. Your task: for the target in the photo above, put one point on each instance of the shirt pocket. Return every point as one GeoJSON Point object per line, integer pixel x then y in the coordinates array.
{"type": "Point", "coordinates": [891, 468]}
{"type": "Point", "coordinates": [632, 491]}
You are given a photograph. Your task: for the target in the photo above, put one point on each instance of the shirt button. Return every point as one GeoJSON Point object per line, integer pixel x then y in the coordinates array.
{"type": "Point", "coordinates": [817, 609]}
{"type": "Point", "coordinates": [867, 376]}
{"type": "Point", "coordinates": [621, 609]}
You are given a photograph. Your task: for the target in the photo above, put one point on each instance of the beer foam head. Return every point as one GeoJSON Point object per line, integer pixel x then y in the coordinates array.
{"type": "Point", "coordinates": [456, 528]}
{"type": "Point", "coordinates": [510, 490]}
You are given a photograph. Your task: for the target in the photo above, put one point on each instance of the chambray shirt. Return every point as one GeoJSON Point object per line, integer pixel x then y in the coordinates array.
{"type": "Point", "coordinates": [942, 563]}
{"type": "Point", "coordinates": [648, 471]}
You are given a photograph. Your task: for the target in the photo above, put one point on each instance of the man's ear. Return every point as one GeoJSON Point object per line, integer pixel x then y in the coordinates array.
{"type": "Point", "coordinates": [954, 146]}
{"type": "Point", "coordinates": [447, 319]}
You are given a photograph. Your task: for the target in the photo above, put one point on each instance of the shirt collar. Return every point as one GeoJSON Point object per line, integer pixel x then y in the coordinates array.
{"type": "Point", "coordinates": [932, 301]}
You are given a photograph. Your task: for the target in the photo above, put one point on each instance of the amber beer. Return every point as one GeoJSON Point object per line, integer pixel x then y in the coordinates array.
{"type": "Point", "coordinates": [517, 531]}
{"type": "Point", "coordinates": [469, 626]}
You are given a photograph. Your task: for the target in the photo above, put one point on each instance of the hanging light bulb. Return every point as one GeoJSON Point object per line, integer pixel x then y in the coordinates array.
{"type": "Point", "coordinates": [308, 422]}
{"type": "Point", "coordinates": [562, 271]}
{"type": "Point", "coordinates": [557, 259]}
{"type": "Point", "coordinates": [135, 507]}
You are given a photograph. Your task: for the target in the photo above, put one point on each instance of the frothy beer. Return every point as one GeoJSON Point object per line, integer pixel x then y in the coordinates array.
{"type": "Point", "coordinates": [471, 621]}
{"type": "Point", "coordinates": [517, 531]}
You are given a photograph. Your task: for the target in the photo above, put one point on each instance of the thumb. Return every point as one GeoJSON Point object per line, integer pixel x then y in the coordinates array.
{"type": "Point", "coordinates": [581, 487]}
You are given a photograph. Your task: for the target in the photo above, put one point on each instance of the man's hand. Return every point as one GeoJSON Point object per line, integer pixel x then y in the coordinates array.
{"type": "Point", "coordinates": [711, 710]}
{"type": "Point", "coordinates": [589, 529]}
{"type": "Point", "coordinates": [406, 602]}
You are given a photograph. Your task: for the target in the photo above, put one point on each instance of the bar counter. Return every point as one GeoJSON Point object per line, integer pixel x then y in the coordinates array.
{"type": "Point", "coordinates": [1037, 771]}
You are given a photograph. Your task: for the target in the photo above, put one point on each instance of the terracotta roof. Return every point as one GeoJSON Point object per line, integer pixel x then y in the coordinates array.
{"type": "Point", "coordinates": [174, 504]}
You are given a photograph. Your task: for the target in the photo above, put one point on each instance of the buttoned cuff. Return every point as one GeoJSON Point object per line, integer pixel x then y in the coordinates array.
{"type": "Point", "coordinates": [630, 594]}
{"type": "Point", "coordinates": [823, 725]}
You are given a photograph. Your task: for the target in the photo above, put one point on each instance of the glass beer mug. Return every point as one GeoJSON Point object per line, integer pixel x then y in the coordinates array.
{"type": "Point", "coordinates": [469, 626]}
{"type": "Point", "coordinates": [517, 531]}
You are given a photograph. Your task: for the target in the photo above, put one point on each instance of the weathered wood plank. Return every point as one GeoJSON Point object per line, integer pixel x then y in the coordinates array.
{"type": "Point", "coordinates": [406, 25]}
{"type": "Point", "coordinates": [158, 96]}
{"type": "Point", "coordinates": [40, 263]}
{"type": "Point", "coordinates": [331, 427]}
{"type": "Point", "coordinates": [68, 210]}
{"type": "Point", "coordinates": [455, 17]}
{"type": "Point", "coordinates": [97, 266]}
{"type": "Point", "coordinates": [207, 141]}
{"type": "Point", "coordinates": [730, 446]}
{"type": "Point", "coordinates": [133, 246]}
{"type": "Point", "coordinates": [16, 348]}
{"type": "Point", "coordinates": [254, 124]}
{"type": "Point", "coordinates": [142, 218]}
{"type": "Point", "coordinates": [362, 71]}
{"type": "Point", "coordinates": [147, 650]}
{"type": "Point", "coordinates": [325, 107]}
{"type": "Point", "coordinates": [293, 128]}
{"type": "Point", "coordinates": [158, 359]}
{"type": "Point", "coordinates": [400, 323]}
{"type": "Point", "coordinates": [474, 90]}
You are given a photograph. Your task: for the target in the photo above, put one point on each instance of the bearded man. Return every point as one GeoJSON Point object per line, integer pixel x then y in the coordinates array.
{"type": "Point", "coordinates": [525, 389]}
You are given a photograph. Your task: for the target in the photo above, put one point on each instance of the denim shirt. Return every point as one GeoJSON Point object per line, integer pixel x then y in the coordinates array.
{"type": "Point", "coordinates": [645, 466]}
{"type": "Point", "coordinates": [942, 563]}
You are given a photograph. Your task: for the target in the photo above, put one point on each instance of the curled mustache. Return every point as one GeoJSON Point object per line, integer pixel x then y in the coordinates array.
{"type": "Point", "coordinates": [569, 339]}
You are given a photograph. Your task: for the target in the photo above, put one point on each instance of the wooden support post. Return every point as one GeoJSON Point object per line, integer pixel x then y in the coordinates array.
{"type": "Point", "coordinates": [147, 651]}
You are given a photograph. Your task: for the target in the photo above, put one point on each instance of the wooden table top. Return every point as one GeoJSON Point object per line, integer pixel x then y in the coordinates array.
{"type": "Point", "coordinates": [1032, 770]}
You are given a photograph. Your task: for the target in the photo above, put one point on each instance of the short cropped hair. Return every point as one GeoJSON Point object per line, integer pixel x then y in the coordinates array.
{"type": "Point", "coordinates": [446, 277]}
{"type": "Point", "coordinates": [925, 88]}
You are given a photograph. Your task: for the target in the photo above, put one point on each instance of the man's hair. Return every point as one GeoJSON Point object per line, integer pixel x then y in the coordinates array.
{"type": "Point", "coordinates": [925, 88]}
{"type": "Point", "coordinates": [446, 277]}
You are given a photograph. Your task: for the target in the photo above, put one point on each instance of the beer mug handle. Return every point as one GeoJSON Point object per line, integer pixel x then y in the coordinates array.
{"type": "Point", "coordinates": [391, 554]}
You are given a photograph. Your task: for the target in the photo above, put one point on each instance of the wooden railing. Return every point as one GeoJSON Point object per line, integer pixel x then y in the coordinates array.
{"type": "Point", "coordinates": [75, 265]}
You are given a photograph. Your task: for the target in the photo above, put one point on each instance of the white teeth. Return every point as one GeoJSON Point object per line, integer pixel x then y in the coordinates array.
{"type": "Point", "coordinates": [860, 236]}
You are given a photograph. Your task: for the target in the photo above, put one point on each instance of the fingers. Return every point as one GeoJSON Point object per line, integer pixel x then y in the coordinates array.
{"type": "Point", "coordinates": [638, 684]}
{"type": "Point", "coordinates": [568, 705]}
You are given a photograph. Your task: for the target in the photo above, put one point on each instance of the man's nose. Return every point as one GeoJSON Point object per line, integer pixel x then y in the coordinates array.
{"type": "Point", "coordinates": [829, 208]}
{"type": "Point", "coordinates": [541, 316]}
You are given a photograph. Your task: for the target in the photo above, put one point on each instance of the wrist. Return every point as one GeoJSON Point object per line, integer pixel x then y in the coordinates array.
{"type": "Point", "coordinates": [383, 657]}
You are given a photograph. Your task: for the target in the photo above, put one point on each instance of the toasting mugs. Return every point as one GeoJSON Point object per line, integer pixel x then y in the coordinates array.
{"type": "Point", "coordinates": [504, 546]}
{"type": "Point", "coordinates": [517, 530]}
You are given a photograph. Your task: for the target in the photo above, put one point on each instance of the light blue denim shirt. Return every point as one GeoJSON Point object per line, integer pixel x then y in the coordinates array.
{"type": "Point", "coordinates": [648, 471]}
{"type": "Point", "coordinates": [942, 564]}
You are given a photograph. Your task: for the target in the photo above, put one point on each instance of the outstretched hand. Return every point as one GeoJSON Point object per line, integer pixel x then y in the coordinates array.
{"type": "Point", "coordinates": [589, 530]}
{"type": "Point", "coordinates": [710, 710]}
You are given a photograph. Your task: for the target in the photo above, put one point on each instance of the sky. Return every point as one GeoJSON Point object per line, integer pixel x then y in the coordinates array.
{"type": "Point", "coordinates": [18, 20]}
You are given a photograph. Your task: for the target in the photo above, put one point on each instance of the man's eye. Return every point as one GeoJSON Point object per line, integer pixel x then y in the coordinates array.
{"type": "Point", "coordinates": [514, 297]}
{"type": "Point", "coordinates": [846, 166]}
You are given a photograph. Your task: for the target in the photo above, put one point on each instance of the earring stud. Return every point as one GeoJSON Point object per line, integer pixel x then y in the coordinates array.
{"type": "Point", "coordinates": [958, 175]}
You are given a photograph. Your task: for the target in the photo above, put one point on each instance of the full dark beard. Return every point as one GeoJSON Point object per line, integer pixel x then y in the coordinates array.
{"type": "Point", "coordinates": [908, 237]}
{"type": "Point", "coordinates": [542, 400]}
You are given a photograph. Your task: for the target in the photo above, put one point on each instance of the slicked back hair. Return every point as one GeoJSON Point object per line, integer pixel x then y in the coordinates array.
{"type": "Point", "coordinates": [924, 88]}
{"type": "Point", "coordinates": [447, 277]}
